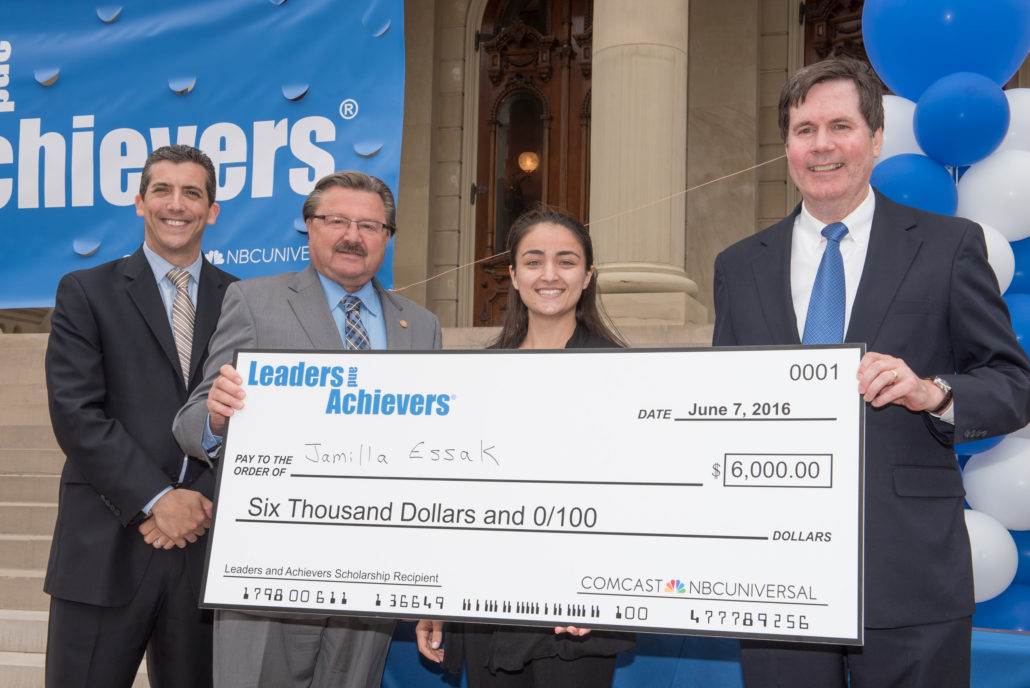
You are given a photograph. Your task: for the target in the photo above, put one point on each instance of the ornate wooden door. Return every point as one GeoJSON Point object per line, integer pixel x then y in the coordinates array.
{"type": "Point", "coordinates": [534, 127]}
{"type": "Point", "coordinates": [833, 28]}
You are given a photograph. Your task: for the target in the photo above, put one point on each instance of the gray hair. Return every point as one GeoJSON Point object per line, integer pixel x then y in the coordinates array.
{"type": "Point", "coordinates": [359, 181]}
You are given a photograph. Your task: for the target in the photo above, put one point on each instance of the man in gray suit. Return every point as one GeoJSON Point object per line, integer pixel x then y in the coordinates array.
{"type": "Point", "coordinates": [334, 303]}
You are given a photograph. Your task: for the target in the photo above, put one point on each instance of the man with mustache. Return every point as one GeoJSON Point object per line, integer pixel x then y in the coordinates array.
{"type": "Point", "coordinates": [942, 366]}
{"type": "Point", "coordinates": [334, 303]}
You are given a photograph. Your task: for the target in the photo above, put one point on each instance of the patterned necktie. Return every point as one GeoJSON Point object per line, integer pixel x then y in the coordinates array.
{"type": "Point", "coordinates": [183, 316]}
{"type": "Point", "coordinates": [824, 323]}
{"type": "Point", "coordinates": [354, 334]}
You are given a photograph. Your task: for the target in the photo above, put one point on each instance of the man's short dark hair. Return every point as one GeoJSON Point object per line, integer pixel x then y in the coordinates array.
{"type": "Point", "coordinates": [178, 154]}
{"type": "Point", "coordinates": [870, 91]}
{"type": "Point", "coordinates": [359, 181]}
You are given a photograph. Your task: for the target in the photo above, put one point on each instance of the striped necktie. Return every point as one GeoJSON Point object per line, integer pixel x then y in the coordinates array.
{"type": "Point", "coordinates": [354, 334]}
{"type": "Point", "coordinates": [824, 323]}
{"type": "Point", "coordinates": [183, 315]}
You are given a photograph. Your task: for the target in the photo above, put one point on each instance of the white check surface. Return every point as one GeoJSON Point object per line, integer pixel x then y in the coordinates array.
{"type": "Point", "coordinates": [704, 491]}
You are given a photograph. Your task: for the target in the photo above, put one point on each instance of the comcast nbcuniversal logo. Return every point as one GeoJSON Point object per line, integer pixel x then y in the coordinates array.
{"type": "Point", "coordinates": [675, 585]}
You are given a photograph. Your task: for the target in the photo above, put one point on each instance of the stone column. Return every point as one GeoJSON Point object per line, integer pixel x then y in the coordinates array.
{"type": "Point", "coordinates": [638, 162]}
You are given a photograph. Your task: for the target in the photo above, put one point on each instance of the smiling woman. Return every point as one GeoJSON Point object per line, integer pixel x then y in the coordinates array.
{"type": "Point", "coordinates": [554, 285]}
{"type": "Point", "coordinates": [552, 305]}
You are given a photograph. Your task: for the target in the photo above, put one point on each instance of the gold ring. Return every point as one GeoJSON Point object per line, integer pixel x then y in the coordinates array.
{"type": "Point", "coordinates": [895, 373]}
{"type": "Point", "coordinates": [157, 542]}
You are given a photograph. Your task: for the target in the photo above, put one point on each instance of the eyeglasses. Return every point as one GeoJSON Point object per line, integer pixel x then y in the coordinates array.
{"type": "Point", "coordinates": [366, 227]}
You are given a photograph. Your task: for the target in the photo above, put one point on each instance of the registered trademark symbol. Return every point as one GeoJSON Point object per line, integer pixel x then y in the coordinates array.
{"type": "Point", "coordinates": [349, 109]}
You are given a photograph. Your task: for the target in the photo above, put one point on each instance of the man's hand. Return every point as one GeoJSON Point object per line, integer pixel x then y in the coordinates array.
{"type": "Point", "coordinates": [180, 516]}
{"type": "Point", "coordinates": [429, 635]}
{"type": "Point", "coordinates": [153, 536]}
{"type": "Point", "coordinates": [886, 380]}
{"type": "Point", "coordinates": [224, 398]}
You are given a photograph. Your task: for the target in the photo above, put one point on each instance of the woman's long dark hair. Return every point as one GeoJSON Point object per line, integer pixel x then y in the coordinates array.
{"type": "Point", "coordinates": [588, 311]}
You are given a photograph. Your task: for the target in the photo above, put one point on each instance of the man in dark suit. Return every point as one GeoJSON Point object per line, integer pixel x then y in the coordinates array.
{"type": "Point", "coordinates": [334, 303]}
{"type": "Point", "coordinates": [942, 366]}
{"type": "Point", "coordinates": [127, 554]}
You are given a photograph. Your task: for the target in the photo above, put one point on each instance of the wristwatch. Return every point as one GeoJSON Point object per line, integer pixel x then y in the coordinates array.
{"type": "Point", "coordinates": [948, 395]}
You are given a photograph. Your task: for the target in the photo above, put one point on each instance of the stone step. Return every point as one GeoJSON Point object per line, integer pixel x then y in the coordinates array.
{"type": "Point", "coordinates": [24, 341]}
{"type": "Point", "coordinates": [26, 670]}
{"type": "Point", "coordinates": [23, 589]}
{"type": "Point", "coordinates": [27, 518]}
{"type": "Point", "coordinates": [22, 365]}
{"type": "Point", "coordinates": [22, 631]}
{"type": "Point", "coordinates": [24, 461]}
{"type": "Point", "coordinates": [24, 414]}
{"type": "Point", "coordinates": [35, 436]}
{"type": "Point", "coordinates": [21, 669]}
{"type": "Point", "coordinates": [12, 395]}
{"type": "Point", "coordinates": [31, 487]}
{"type": "Point", "coordinates": [24, 551]}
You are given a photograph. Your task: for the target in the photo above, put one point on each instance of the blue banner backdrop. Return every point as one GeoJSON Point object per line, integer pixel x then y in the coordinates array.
{"type": "Point", "coordinates": [277, 93]}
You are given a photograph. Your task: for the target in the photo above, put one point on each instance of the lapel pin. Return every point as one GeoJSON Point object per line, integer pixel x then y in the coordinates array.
{"type": "Point", "coordinates": [404, 323]}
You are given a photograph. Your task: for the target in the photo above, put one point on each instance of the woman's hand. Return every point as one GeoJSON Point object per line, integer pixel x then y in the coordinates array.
{"type": "Point", "coordinates": [429, 634]}
{"type": "Point", "coordinates": [571, 630]}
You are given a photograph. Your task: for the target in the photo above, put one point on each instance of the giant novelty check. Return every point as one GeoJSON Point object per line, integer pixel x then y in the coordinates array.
{"type": "Point", "coordinates": [704, 491]}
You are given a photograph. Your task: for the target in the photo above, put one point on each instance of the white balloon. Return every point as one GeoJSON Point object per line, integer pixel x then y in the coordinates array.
{"type": "Point", "coordinates": [997, 482]}
{"type": "Point", "coordinates": [899, 134]}
{"type": "Point", "coordinates": [995, 555]}
{"type": "Point", "coordinates": [997, 191]}
{"type": "Point", "coordinates": [1022, 432]}
{"type": "Point", "coordinates": [1018, 135]}
{"type": "Point", "coordinates": [1000, 256]}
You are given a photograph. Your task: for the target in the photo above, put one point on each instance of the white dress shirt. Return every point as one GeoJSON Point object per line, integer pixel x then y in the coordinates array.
{"type": "Point", "coordinates": [806, 252]}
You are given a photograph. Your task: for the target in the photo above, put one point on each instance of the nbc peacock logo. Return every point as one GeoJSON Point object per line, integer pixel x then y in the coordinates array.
{"type": "Point", "coordinates": [675, 585]}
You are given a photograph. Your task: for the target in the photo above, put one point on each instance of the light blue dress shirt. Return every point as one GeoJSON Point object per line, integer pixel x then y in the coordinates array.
{"type": "Point", "coordinates": [371, 310]}
{"type": "Point", "coordinates": [160, 268]}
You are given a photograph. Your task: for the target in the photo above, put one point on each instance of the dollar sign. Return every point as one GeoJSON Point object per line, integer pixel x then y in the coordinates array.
{"type": "Point", "coordinates": [715, 470]}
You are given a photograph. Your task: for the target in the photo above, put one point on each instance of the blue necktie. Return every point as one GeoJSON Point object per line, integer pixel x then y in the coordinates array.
{"type": "Point", "coordinates": [824, 323]}
{"type": "Point", "coordinates": [354, 334]}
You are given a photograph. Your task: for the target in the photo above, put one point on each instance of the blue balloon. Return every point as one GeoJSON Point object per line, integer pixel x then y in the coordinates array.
{"type": "Point", "coordinates": [913, 43]}
{"type": "Point", "coordinates": [1021, 277]}
{"type": "Point", "coordinates": [918, 181]}
{"type": "Point", "coordinates": [1022, 538]}
{"type": "Point", "coordinates": [978, 446]}
{"type": "Point", "coordinates": [961, 118]}
{"type": "Point", "coordinates": [1019, 313]}
{"type": "Point", "coordinates": [1008, 611]}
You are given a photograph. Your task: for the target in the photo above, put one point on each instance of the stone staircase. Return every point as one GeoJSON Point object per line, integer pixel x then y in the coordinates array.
{"type": "Point", "coordinates": [30, 466]}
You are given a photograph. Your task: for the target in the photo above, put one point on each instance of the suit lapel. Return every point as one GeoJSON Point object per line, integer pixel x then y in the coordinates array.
{"type": "Point", "coordinates": [307, 299]}
{"type": "Point", "coordinates": [398, 334]}
{"type": "Point", "coordinates": [142, 288]}
{"type": "Point", "coordinates": [892, 248]}
{"type": "Point", "coordinates": [210, 291]}
{"type": "Point", "coordinates": [771, 269]}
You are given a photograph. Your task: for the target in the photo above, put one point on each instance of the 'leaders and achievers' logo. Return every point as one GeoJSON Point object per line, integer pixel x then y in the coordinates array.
{"type": "Point", "coordinates": [362, 402]}
{"type": "Point", "coordinates": [95, 98]}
